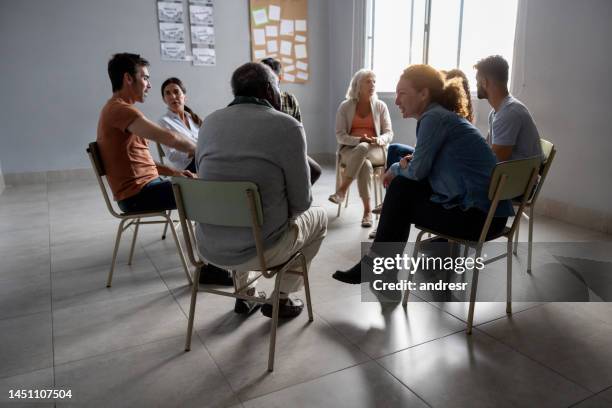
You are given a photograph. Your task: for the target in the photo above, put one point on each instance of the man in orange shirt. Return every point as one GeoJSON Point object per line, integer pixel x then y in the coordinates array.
{"type": "Point", "coordinates": [123, 134]}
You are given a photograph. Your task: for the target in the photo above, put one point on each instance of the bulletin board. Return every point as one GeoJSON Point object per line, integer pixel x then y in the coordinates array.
{"type": "Point", "coordinates": [279, 29]}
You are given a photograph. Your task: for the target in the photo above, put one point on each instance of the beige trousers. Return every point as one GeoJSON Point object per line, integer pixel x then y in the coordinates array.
{"type": "Point", "coordinates": [359, 161]}
{"type": "Point", "coordinates": [305, 233]}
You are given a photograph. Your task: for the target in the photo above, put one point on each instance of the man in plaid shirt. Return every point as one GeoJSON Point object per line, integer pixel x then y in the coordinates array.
{"type": "Point", "coordinates": [291, 107]}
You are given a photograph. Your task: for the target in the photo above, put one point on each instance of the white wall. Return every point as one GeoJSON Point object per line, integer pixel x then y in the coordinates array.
{"type": "Point", "coordinates": [567, 87]}
{"type": "Point", "coordinates": [54, 56]}
{"type": "Point", "coordinates": [1, 180]}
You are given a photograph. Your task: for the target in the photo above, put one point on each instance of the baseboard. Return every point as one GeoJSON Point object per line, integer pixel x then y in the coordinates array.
{"type": "Point", "coordinates": [48, 177]}
{"type": "Point", "coordinates": [584, 217]}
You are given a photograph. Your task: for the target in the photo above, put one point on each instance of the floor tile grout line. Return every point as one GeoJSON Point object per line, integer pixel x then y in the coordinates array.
{"type": "Point", "coordinates": [50, 286]}
{"type": "Point", "coordinates": [24, 315]}
{"type": "Point", "coordinates": [134, 346]}
{"type": "Point", "coordinates": [403, 383]}
{"type": "Point", "coordinates": [196, 331]}
{"type": "Point", "coordinates": [305, 381]}
{"type": "Point", "coordinates": [533, 360]}
{"type": "Point", "coordinates": [590, 396]}
{"type": "Point", "coordinates": [375, 360]}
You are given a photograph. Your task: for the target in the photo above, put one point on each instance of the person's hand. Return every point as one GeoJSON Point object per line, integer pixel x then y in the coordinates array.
{"type": "Point", "coordinates": [388, 178]}
{"type": "Point", "coordinates": [188, 174]}
{"type": "Point", "coordinates": [367, 139]}
{"type": "Point", "coordinates": [405, 160]}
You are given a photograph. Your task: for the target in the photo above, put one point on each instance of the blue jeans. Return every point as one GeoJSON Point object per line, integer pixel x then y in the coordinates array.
{"type": "Point", "coordinates": [396, 152]}
{"type": "Point", "coordinates": [157, 195]}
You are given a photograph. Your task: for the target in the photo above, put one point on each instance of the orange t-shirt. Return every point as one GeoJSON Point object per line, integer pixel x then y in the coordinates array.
{"type": "Point", "coordinates": [126, 157]}
{"type": "Point", "coordinates": [363, 126]}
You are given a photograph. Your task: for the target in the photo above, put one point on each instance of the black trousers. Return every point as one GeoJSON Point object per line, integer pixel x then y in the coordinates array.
{"type": "Point", "coordinates": [315, 170]}
{"type": "Point", "coordinates": [407, 202]}
{"type": "Point", "coordinates": [155, 196]}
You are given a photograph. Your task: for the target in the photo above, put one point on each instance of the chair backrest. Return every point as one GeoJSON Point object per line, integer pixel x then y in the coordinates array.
{"type": "Point", "coordinates": [96, 159]}
{"type": "Point", "coordinates": [549, 151]}
{"type": "Point", "coordinates": [93, 152]}
{"type": "Point", "coordinates": [511, 178]}
{"type": "Point", "coordinates": [160, 152]}
{"type": "Point", "coordinates": [222, 203]}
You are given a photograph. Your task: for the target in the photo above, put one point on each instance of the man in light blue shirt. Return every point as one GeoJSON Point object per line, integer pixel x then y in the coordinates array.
{"type": "Point", "coordinates": [512, 132]}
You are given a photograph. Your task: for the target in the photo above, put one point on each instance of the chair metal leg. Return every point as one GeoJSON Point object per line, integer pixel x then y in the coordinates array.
{"type": "Point", "coordinates": [134, 241]}
{"type": "Point", "coordinates": [180, 250]}
{"type": "Point", "coordinates": [307, 288]}
{"type": "Point", "coordinates": [509, 277]}
{"type": "Point", "coordinates": [466, 250]}
{"type": "Point", "coordinates": [117, 241]}
{"type": "Point", "coordinates": [415, 253]}
{"type": "Point", "coordinates": [166, 226]}
{"type": "Point", "coordinates": [274, 323]}
{"type": "Point", "coordinates": [192, 306]}
{"type": "Point", "coordinates": [470, 321]}
{"type": "Point", "coordinates": [530, 244]}
{"type": "Point", "coordinates": [516, 237]}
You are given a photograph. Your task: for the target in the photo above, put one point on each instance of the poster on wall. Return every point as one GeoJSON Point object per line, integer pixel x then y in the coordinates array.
{"type": "Point", "coordinates": [171, 30]}
{"type": "Point", "coordinates": [279, 29]}
{"type": "Point", "coordinates": [202, 28]}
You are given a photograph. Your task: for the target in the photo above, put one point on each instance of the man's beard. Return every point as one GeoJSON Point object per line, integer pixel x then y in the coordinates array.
{"type": "Point", "coordinates": [481, 93]}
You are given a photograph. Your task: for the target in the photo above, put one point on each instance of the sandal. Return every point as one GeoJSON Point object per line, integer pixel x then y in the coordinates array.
{"type": "Point", "coordinates": [377, 209]}
{"type": "Point", "coordinates": [366, 221]}
{"type": "Point", "coordinates": [336, 198]}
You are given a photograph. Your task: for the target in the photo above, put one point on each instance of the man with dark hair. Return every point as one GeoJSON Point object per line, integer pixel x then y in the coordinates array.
{"type": "Point", "coordinates": [251, 140]}
{"type": "Point", "coordinates": [291, 107]}
{"type": "Point", "coordinates": [512, 131]}
{"type": "Point", "coordinates": [123, 134]}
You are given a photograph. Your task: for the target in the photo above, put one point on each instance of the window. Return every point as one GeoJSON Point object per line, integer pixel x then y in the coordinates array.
{"type": "Point", "coordinates": [446, 34]}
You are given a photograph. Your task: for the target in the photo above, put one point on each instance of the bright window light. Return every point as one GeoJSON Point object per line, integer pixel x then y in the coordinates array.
{"type": "Point", "coordinates": [461, 32]}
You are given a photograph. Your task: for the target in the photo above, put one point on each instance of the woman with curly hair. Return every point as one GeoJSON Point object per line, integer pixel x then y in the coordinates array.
{"type": "Point", "coordinates": [444, 185]}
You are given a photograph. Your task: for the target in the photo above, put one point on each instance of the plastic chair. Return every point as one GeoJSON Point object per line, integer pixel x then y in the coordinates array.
{"type": "Point", "coordinates": [131, 218]}
{"type": "Point", "coordinates": [377, 177]}
{"type": "Point", "coordinates": [162, 156]}
{"type": "Point", "coordinates": [548, 149]}
{"type": "Point", "coordinates": [510, 179]}
{"type": "Point", "coordinates": [232, 204]}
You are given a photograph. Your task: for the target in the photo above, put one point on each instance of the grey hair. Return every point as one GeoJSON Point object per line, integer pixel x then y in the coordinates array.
{"type": "Point", "coordinates": [353, 90]}
{"type": "Point", "coordinates": [251, 79]}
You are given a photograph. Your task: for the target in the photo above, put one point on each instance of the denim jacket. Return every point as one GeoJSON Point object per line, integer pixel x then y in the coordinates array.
{"type": "Point", "coordinates": [455, 159]}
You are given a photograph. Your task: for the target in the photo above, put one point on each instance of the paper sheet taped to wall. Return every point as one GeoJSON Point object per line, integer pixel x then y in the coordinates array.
{"type": "Point", "coordinates": [279, 29]}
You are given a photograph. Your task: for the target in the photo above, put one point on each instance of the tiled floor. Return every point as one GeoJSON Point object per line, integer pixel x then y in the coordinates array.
{"type": "Point", "coordinates": [60, 327]}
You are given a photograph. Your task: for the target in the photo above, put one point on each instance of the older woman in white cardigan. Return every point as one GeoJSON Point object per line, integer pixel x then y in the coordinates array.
{"type": "Point", "coordinates": [363, 131]}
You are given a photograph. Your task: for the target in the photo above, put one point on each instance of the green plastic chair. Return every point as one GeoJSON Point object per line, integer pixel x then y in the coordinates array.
{"type": "Point", "coordinates": [232, 204]}
{"type": "Point", "coordinates": [509, 180]}
{"type": "Point", "coordinates": [129, 219]}
{"type": "Point", "coordinates": [548, 149]}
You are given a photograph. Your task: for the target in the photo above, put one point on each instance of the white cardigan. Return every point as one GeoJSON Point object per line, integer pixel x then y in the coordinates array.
{"type": "Point", "coordinates": [344, 122]}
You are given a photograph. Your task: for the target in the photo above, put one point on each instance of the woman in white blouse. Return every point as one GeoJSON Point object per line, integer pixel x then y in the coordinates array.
{"type": "Point", "coordinates": [181, 119]}
{"type": "Point", "coordinates": [363, 130]}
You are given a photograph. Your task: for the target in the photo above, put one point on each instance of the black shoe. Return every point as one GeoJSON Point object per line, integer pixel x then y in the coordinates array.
{"type": "Point", "coordinates": [248, 306]}
{"type": "Point", "coordinates": [213, 275]}
{"type": "Point", "coordinates": [287, 308]}
{"type": "Point", "coordinates": [353, 275]}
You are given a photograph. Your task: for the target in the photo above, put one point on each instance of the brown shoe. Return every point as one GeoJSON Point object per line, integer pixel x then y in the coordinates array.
{"type": "Point", "coordinates": [287, 308]}
{"type": "Point", "coordinates": [377, 209]}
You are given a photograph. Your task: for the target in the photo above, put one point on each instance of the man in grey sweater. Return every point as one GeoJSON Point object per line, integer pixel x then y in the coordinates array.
{"type": "Point", "coordinates": [251, 140]}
